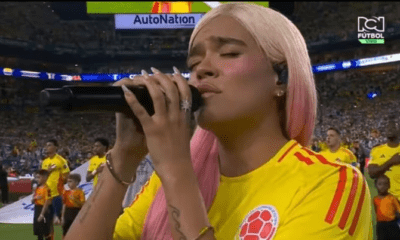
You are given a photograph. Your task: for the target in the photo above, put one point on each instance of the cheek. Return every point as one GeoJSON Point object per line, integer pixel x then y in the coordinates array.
{"type": "Point", "coordinates": [244, 66]}
{"type": "Point", "coordinates": [249, 76]}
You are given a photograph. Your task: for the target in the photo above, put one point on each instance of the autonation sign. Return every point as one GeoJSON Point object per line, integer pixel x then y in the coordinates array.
{"type": "Point", "coordinates": [156, 21]}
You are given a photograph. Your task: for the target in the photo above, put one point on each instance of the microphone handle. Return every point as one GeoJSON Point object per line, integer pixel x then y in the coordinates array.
{"type": "Point", "coordinates": [103, 99]}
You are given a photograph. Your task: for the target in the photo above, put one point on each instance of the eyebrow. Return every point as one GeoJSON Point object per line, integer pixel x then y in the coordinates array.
{"type": "Point", "coordinates": [220, 41]}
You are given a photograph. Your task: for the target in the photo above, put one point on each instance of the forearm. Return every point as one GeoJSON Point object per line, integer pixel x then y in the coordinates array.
{"type": "Point", "coordinates": [89, 176]}
{"type": "Point", "coordinates": [63, 211]}
{"type": "Point", "coordinates": [186, 209]}
{"type": "Point", "coordinates": [45, 206]}
{"type": "Point", "coordinates": [375, 170]}
{"type": "Point", "coordinates": [97, 218]}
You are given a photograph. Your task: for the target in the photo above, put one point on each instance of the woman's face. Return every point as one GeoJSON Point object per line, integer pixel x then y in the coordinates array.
{"type": "Point", "coordinates": [225, 58]}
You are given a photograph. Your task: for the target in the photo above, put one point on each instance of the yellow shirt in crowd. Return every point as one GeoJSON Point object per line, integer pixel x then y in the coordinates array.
{"type": "Point", "coordinates": [55, 179]}
{"type": "Point", "coordinates": [94, 163]}
{"type": "Point", "coordinates": [341, 155]}
{"type": "Point", "coordinates": [323, 146]}
{"type": "Point", "coordinates": [297, 194]}
{"type": "Point", "coordinates": [347, 146]}
{"type": "Point", "coordinates": [380, 155]}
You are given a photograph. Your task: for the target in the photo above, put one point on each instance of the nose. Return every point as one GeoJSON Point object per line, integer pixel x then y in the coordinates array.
{"type": "Point", "coordinates": [205, 69]}
{"type": "Point", "coordinates": [204, 73]}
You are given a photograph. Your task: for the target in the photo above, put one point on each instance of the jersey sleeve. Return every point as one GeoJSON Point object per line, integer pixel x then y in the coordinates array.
{"type": "Point", "coordinates": [65, 168]}
{"type": "Point", "coordinates": [373, 159]}
{"type": "Point", "coordinates": [45, 165]}
{"type": "Point", "coordinates": [353, 157]}
{"type": "Point", "coordinates": [130, 224]}
{"type": "Point", "coordinates": [82, 196]}
{"type": "Point", "coordinates": [92, 165]}
{"type": "Point", "coordinates": [343, 211]}
{"type": "Point", "coordinates": [396, 204]}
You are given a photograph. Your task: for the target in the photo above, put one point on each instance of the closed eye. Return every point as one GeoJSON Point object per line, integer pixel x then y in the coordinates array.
{"type": "Point", "coordinates": [232, 54]}
{"type": "Point", "coordinates": [192, 66]}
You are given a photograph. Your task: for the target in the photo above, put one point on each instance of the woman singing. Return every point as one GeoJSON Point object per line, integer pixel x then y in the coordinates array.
{"type": "Point", "coordinates": [245, 173]}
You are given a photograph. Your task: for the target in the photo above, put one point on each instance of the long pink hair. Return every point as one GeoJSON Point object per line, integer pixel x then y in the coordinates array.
{"type": "Point", "coordinates": [281, 41]}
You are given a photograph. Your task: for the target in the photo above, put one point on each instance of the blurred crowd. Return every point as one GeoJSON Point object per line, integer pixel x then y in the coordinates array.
{"type": "Point", "coordinates": [323, 22]}
{"type": "Point", "coordinates": [343, 103]}
{"type": "Point", "coordinates": [37, 22]}
{"type": "Point", "coordinates": [18, 94]}
{"type": "Point", "coordinates": [339, 19]}
{"type": "Point", "coordinates": [359, 104]}
{"type": "Point", "coordinates": [23, 137]}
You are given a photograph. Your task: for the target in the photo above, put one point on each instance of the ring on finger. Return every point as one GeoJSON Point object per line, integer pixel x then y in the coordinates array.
{"type": "Point", "coordinates": [186, 105]}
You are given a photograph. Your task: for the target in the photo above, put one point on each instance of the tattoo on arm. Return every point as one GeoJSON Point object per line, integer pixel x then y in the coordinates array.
{"type": "Point", "coordinates": [175, 215]}
{"type": "Point", "coordinates": [92, 198]}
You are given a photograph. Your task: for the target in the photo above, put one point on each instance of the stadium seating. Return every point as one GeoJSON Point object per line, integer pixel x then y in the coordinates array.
{"type": "Point", "coordinates": [332, 19]}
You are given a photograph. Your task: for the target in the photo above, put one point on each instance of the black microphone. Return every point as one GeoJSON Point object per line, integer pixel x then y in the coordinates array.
{"type": "Point", "coordinates": [103, 99]}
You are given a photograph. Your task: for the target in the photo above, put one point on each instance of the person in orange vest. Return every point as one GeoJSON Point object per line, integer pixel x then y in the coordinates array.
{"type": "Point", "coordinates": [387, 210]}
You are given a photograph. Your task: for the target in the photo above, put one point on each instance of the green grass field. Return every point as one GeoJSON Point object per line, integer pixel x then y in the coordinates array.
{"type": "Point", "coordinates": [374, 192]}
{"type": "Point", "coordinates": [25, 232]}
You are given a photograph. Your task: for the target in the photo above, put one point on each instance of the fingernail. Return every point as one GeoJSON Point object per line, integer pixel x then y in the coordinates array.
{"type": "Point", "coordinates": [176, 70]}
{"type": "Point", "coordinates": [144, 73]}
{"type": "Point", "coordinates": [126, 90]}
{"type": "Point", "coordinates": [155, 70]}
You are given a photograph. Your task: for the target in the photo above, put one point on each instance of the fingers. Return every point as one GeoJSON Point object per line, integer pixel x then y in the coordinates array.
{"type": "Point", "coordinates": [139, 111]}
{"type": "Point", "coordinates": [156, 94]}
{"type": "Point", "coordinates": [167, 92]}
{"type": "Point", "coordinates": [137, 80]}
{"type": "Point", "coordinates": [171, 91]}
{"type": "Point", "coordinates": [182, 84]}
{"type": "Point", "coordinates": [186, 95]}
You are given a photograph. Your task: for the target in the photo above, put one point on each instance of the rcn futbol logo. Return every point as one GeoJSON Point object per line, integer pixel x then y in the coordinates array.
{"type": "Point", "coordinates": [261, 224]}
{"type": "Point", "coordinates": [370, 30]}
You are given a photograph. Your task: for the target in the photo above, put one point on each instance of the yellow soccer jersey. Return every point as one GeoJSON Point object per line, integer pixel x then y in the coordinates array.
{"type": "Point", "coordinates": [298, 194]}
{"type": "Point", "coordinates": [341, 155]}
{"type": "Point", "coordinates": [55, 177]}
{"type": "Point", "coordinates": [380, 155]}
{"type": "Point", "coordinates": [94, 164]}
{"type": "Point", "coordinates": [347, 146]}
{"type": "Point", "coordinates": [323, 146]}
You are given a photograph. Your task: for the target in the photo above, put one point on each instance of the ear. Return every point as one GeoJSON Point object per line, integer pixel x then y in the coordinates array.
{"type": "Point", "coordinates": [282, 70]}
{"type": "Point", "coordinates": [280, 90]}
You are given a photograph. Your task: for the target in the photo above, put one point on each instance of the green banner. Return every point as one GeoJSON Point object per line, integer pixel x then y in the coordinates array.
{"type": "Point", "coordinates": [372, 41]}
{"type": "Point", "coordinates": [148, 7]}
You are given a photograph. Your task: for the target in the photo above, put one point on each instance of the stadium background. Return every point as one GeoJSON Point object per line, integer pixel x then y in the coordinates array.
{"type": "Point", "coordinates": [62, 38]}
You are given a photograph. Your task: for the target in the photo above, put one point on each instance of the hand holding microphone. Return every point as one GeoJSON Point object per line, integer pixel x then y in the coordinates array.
{"type": "Point", "coordinates": [160, 117]}
{"type": "Point", "coordinates": [167, 132]}
{"type": "Point", "coordinates": [104, 98]}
